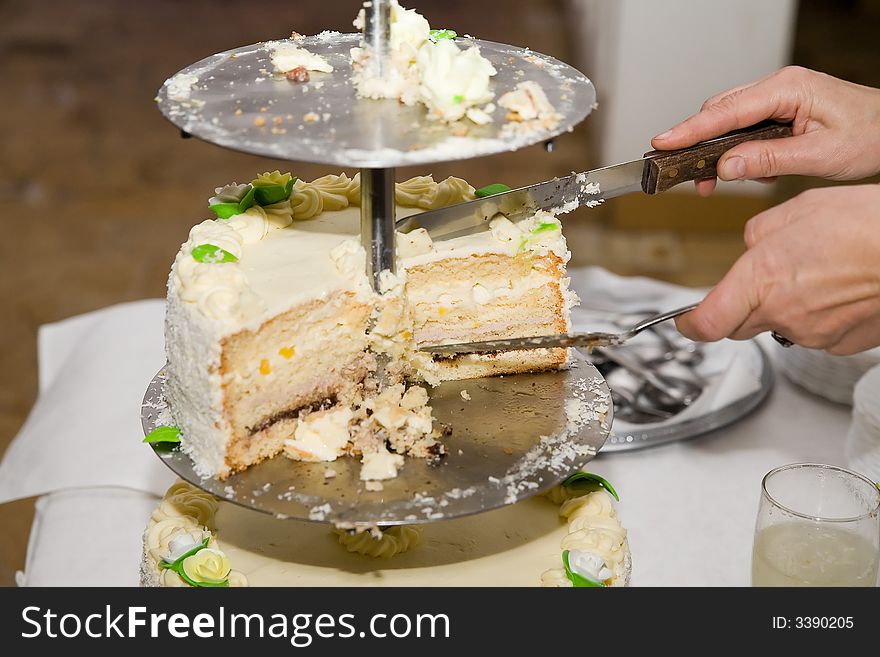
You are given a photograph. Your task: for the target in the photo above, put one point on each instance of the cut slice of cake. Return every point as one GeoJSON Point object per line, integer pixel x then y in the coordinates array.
{"type": "Point", "coordinates": [507, 282]}
{"type": "Point", "coordinates": [272, 326]}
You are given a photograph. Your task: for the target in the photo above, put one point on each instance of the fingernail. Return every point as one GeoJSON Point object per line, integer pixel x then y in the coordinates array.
{"type": "Point", "coordinates": [664, 135]}
{"type": "Point", "coordinates": [733, 168]}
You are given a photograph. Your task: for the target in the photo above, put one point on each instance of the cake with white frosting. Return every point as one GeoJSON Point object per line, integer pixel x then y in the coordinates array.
{"type": "Point", "coordinates": [272, 327]}
{"type": "Point", "coordinates": [194, 539]}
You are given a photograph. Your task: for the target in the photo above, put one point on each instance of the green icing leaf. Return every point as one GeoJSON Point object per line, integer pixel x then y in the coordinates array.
{"type": "Point", "coordinates": [491, 190]}
{"type": "Point", "coordinates": [585, 479]}
{"type": "Point", "coordinates": [272, 187]}
{"type": "Point", "coordinates": [203, 585]}
{"type": "Point", "coordinates": [269, 194]}
{"type": "Point", "coordinates": [177, 567]}
{"type": "Point", "coordinates": [545, 228]}
{"type": "Point", "coordinates": [458, 99]}
{"type": "Point", "coordinates": [226, 210]}
{"type": "Point", "coordinates": [211, 254]}
{"type": "Point", "coordinates": [579, 581]}
{"type": "Point", "coordinates": [438, 35]}
{"type": "Point", "coordinates": [163, 435]}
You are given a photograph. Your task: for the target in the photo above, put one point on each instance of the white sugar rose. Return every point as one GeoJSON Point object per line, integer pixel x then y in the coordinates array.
{"type": "Point", "coordinates": [589, 565]}
{"type": "Point", "coordinates": [182, 543]}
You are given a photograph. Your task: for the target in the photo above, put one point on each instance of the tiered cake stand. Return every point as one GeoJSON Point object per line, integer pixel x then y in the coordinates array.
{"type": "Point", "coordinates": [518, 435]}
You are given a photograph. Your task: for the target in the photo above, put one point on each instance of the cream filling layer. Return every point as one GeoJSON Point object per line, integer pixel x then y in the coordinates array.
{"type": "Point", "coordinates": [456, 293]}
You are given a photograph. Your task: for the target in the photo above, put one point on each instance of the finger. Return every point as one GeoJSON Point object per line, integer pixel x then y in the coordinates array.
{"type": "Point", "coordinates": [768, 98]}
{"type": "Point", "coordinates": [769, 158]}
{"type": "Point", "coordinates": [727, 307]}
{"type": "Point", "coordinates": [717, 97]}
{"type": "Point", "coordinates": [706, 186]}
{"type": "Point", "coordinates": [765, 223]}
{"type": "Point", "coordinates": [749, 330]}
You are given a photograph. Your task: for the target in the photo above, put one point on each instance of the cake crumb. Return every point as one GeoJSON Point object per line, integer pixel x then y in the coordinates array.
{"type": "Point", "coordinates": [312, 117]}
{"type": "Point", "coordinates": [465, 395]}
{"type": "Point", "coordinates": [329, 473]}
{"type": "Point", "coordinates": [298, 74]}
{"type": "Point", "coordinates": [259, 121]}
{"type": "Point", "coordinates": [374, 486]}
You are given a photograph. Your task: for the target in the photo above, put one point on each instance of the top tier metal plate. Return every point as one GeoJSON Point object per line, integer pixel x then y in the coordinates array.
{"type": "Point", "coordinates": [514, 438]}
{"type": "Point", "coordinates": [233, 99]}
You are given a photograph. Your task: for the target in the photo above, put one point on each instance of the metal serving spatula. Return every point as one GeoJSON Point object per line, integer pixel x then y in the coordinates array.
{"type": "Point", "coordinates": [588, 340]}
{"type": "Point", "coordinates": [656, 172]}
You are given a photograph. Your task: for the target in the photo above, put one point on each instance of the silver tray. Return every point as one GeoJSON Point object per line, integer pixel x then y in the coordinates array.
{"type": "Point", "coordinates": [670, 431]}
{"type": "Point", "coordinates": [233, 99]}
{"type": "Point", "coordinates": [515, 438]}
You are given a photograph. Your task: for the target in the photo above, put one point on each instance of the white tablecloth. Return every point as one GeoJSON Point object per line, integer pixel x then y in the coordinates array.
{"type": "Point", "coordinates": [689, 506]}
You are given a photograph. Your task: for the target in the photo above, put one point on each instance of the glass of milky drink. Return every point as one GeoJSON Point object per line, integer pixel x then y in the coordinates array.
{"type": "Point", "coordinates": [818, 525]}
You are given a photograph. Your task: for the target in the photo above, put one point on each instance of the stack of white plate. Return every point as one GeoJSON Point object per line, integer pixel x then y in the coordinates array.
{"type": "Point", "coordinates": [832, 377]}
{"type": "Point", "coordinates": [863, 438]}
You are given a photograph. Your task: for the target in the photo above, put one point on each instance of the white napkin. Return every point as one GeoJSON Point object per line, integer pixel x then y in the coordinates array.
{"type": "Point", "coordinates": [85, 428]}
{"type": "Point", "coordinates": [732, 370]}
{"type": "Point", "coordinates": [88, 537]}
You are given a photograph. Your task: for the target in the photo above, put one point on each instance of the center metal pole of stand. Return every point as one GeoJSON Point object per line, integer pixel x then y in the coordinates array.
{"type": "Point", "coordinates": [377, 185]}
{"type": "Point", "coordinates": [377, 33]}
{"type": "Point", "coordinates": [377, 221]}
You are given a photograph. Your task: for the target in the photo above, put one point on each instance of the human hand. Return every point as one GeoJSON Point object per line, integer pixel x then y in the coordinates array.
{"type": "Point", "coordinates": [836, 126]}
{"type": "Point", "coordinates": [811, 273]}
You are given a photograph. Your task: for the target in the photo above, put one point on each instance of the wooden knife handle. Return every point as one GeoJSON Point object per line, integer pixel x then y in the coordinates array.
{"type": "Point", "coordinates": [666, 169]}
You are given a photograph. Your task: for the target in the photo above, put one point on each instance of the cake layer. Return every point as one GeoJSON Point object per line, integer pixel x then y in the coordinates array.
{"type": "Point", "coordinates": [495, 295]}
{"type": "Point", "coordinates": [306, 355]}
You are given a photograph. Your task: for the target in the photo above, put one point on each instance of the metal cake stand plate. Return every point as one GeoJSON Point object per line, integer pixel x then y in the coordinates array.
{"type": "Point", "coordinates": [234, 99]}
{"type": "Point", "coordinates": [516, 437]}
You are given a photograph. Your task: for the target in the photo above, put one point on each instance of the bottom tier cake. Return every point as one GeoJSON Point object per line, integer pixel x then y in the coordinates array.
{"type": "Point", "coordinates": [569, 537]}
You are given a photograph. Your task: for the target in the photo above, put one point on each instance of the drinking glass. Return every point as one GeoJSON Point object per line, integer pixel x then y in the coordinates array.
{"type": "Point", "coordinates": [818, 525]}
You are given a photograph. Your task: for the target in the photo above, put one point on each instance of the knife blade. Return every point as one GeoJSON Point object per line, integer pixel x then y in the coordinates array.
{"type": "Point", "coordinates": [655, 172]}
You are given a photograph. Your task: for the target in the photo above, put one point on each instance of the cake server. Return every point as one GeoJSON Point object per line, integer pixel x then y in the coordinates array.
{"type": "Point", "coordinates": [656, 172]}
{"type": "Point", "coordinates": [588, 340]}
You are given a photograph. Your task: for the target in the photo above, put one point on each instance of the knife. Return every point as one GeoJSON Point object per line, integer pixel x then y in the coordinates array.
{"type": "Point", "coordinates": [588, 340]}
{"type": "Point", "coordinates": [655, 172]}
